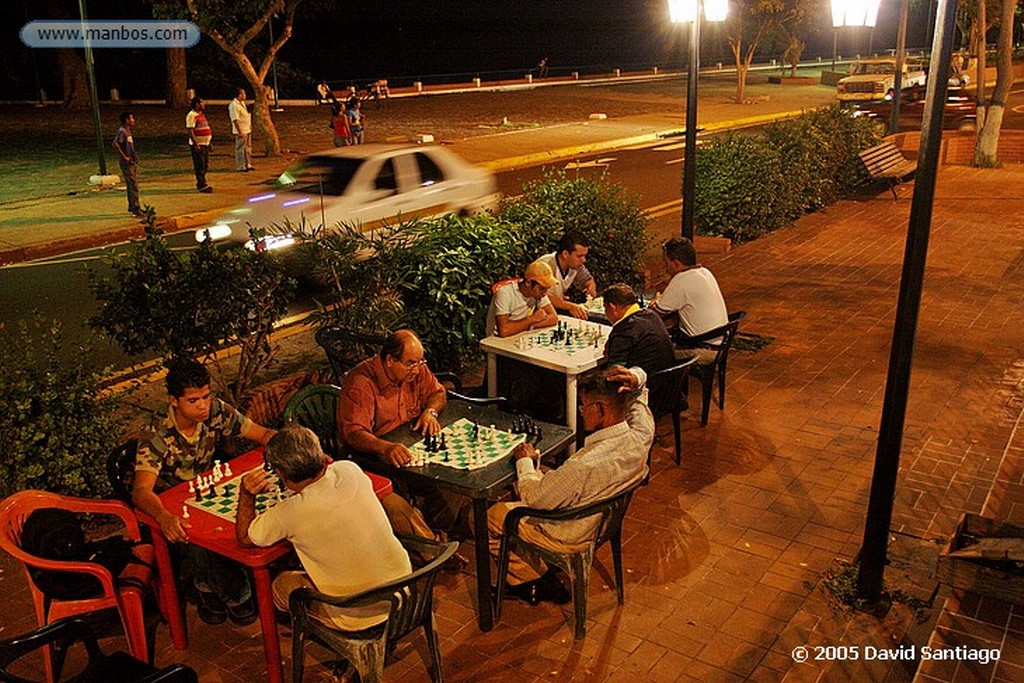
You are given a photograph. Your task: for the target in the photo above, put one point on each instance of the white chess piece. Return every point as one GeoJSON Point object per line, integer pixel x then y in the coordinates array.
{"type": "Point", "coordinates": [227, 470]}
{"type": "Point", "coordinates": [216, 470]}
{"type": "Point", "coordinates": [184, 512]}
{"type": "Point", "coordinates": [191, 487]}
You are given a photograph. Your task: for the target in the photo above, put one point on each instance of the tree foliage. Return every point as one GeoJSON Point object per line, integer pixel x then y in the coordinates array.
{"type": "Point", "coordinates": [186, 305]}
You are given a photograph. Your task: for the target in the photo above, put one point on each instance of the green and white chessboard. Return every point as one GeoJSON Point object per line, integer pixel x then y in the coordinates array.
{"type": "Point", "coordinates": [588, 338]}
{"type": "Point", "coordinates": [225, 503]}
{"type": "Point", "coordinates": [464, 452]}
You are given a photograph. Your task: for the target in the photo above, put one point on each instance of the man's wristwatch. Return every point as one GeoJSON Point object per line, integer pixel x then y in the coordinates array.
{"type": "Point", "coordinates": [432, 412]}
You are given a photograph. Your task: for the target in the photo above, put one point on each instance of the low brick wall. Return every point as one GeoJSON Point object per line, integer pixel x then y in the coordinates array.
{"type": "Point", "coordinates": [958, 147]}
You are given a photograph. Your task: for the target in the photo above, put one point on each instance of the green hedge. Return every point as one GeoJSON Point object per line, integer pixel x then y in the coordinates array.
{"type": "Point", "coordinates": [750, 185]}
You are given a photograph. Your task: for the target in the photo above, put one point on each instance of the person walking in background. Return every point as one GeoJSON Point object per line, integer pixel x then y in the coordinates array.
{"type": "Point", "coordinates": [200, 135]}
{"type": "Point", "coordinates": [339, 126]}
{"type": "Point", "coordinates": [356, 121]}
{"type": "Point", "coordinates": [542, 67]}
{"type": "Point", "coordinates": [124, 143]}
{"type": "Point", "coordinates": [241, 127]}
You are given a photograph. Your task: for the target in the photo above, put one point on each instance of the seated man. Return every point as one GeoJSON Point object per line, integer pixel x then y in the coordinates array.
{"type": "Point", "coordinates": [523, 305]}
{"type": "Point", "coordinates": [692, 298]}
{"type": "Point", "coordinates": [378, 396]}
{"type": "Point", "coordinates": [614, 407]}
{"type": "Point", "coordinates": [180, 444]}
{"type": "Point", "coordinates": [567, 264]}
{"type": "Point", "coordinates": [638, 338]}
{"type": "Point", "coordinates": [336, 524]}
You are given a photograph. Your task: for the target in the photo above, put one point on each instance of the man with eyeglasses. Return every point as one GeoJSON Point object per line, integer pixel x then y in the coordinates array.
{"type": "Point", "coordinates": [382, 393]}
{"type": "Point", "coordinates": [613, 403]}
{"type": "Point", "coordinates": [180, 444]}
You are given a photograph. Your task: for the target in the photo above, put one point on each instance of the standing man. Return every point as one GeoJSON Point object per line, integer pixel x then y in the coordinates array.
{"type": "Point", "coordinates": [180, 444]}
{"type": "Point", "coordinates": [613, 403]}
{"type": "Point", "coordinates": [199, 137]}
{"type": "Point", "coordinates": [335, 523]}
{"type": "Point", "coordinates": [356, 120]}
{"type": "Point", "coordinates": [567, 263]}
{"type": "Point", "coordinates": [241, 127]}
{"type": "Point", "coordinates": [692, 299]}
{"type": "Point", "coordinates": [124, 143]}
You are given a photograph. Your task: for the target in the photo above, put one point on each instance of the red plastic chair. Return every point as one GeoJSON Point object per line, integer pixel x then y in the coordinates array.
{"type": "Point", "coordinates": [126, 598]}
{"type": "Point", "coordinates": [501, 283]}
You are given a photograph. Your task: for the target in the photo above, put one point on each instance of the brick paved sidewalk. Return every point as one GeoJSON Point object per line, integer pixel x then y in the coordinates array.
{"type": "Point", "coordinates": [723, 555]}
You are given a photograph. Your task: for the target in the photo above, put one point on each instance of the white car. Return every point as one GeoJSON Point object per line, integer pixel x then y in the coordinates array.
{"type": "Point", "coordinates": [364, 186]}
{"type": "Point", "coordinates": [874, 79]}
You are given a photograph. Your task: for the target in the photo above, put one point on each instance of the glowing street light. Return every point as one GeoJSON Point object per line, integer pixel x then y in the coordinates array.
{"type": "Point", "coordinates": [680, 12]}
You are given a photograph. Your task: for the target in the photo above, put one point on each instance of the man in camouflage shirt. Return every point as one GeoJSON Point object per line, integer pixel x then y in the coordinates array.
{"type": "Point", "coordinates": [178, 445]}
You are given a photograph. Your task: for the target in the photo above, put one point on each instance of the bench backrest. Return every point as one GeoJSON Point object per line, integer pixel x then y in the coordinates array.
{"type": "Point", "coordinates": [881, 158]}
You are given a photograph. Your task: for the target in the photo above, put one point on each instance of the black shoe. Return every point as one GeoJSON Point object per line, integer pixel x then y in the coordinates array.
{"type": "Point", "coordinates": [206, 189]}
{"type": "Point", "coordinates": [211, 609]}
{"type": "Point", "coordinates": [528, 592]}
{"type": "Point", "coordinates": [552, 590]}
{"type": "Point", "coordinates": [242, 614]}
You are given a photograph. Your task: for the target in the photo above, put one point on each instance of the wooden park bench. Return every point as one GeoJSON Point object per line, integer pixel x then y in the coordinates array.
{"type": "Point", "coordinates": [886, 162]}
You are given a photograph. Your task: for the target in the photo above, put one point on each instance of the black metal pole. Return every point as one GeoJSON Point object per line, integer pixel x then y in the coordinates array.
{"type": "Point", "coordinates": [90, 72]}
{"type": "Point", "coordinates": [901, 56]}
{"type": "Point", "coordinates": [894, 406]}
{"type": "Point", "coordinates": [690, 160]}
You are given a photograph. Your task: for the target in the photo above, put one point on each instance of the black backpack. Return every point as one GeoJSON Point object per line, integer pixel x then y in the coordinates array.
{"type": "Point", "coordinates": [56, 534]}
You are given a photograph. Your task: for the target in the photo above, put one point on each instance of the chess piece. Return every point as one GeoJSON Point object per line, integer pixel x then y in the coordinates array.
{"type": "Point", "coordinates": [217, 473]}
{"type": "Point", "coordinates": [444, 444]}
{"type": "Point", "coordinates": [199, 494]}
{"type": "Point", "coordinates": [213, 491]}
{"type": "Point", "coordinates": [492, 435]}
{"type": "Point", "coordinates": [191, 486]}
{"type": "Point", "coordinates": [227, 470]}
{"type": "Point", "coordinates": [184, 511]}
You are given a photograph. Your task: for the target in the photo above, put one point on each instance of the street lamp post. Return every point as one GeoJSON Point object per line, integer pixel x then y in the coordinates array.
{"type": "Point", "coordinates": [874, 549]}
{"type": "Point", "coordinates": [682, 11]}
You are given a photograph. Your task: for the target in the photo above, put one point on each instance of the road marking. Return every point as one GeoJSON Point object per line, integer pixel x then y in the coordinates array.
{"type": "Point", "coordinates": [674, 161]}
{"type": "Point", "coordinates": [670, 148]}
{"type": "Point", "coordinates": [61, 260]}
{"type": "Point", "coordinates": [603, 162]}
{"type": "Point", "coordinates": [665, 209]}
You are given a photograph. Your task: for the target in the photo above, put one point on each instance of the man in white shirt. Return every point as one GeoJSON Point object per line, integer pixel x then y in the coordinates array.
{"type": "Point", "coordinates": [613, 403]}
{"type": "Point", "coordinates": [241, 127]}
{"type": "Point", "coordinates": [523, 305]}
{"type": "Point", "coordinates": [567, 264]}
{"type": "Point", "coordinates": [335, 522]}
{"type": "Point", "coordinates": [692, 299]}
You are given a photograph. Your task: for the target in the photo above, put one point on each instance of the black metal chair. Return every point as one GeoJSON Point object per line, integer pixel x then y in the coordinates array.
{"type": "Point", "coordinates": [121, 469]}
{"type": "Point", "coordinates": [576, 564]}
{"type": "Point", "coordinates": [62, 634]}
{"type": "Point", "coordinates": [316, 407]}
{"type": "Point", "coordinates": [707, 373]}
{"type": "Point", "coordinates": [667, 389]}
{"type": "Point", "coordinates": [412, 607]}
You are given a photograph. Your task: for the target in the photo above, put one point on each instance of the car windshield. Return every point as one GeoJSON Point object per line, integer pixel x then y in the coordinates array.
{"type": "Point", "coordinates": [874, 68]}
{"type": "Point", "coordinates": [330, 175]}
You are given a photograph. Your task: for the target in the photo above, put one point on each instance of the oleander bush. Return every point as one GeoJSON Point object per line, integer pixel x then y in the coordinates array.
{"type": "Point", "coordinates": [602, 211]}
{"type": "Point", "coordinates": [750, 185]}
{"type": "Point", "coordinates": [56, 425]}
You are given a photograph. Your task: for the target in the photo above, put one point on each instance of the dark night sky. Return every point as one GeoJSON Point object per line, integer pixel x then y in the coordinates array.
{"type": "Point", "coordinates": [404, 40]}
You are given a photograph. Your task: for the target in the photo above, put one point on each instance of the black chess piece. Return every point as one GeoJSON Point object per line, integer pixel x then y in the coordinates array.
{"type": "Point", "coordinates": [476, 430]}
{"type": "Point", "coordinates": [199, 494]}
{"type": "Point", "coordinates": [213, 491]}
{"type": "Point", "coordinates": [266, 463]}
{"type": "Point", "coordinates": [444, 444]}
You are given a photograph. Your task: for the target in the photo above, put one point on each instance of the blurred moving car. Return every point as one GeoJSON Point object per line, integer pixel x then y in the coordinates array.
{"type": "Point", "coordinates": [960, 112]}
{"type": "Point", "coordinates": [365, 186]}
{"type": "Point", "coordinates": [874, 79]}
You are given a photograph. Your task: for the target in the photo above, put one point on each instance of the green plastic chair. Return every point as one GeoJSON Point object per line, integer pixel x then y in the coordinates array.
{"type": "Point", "coordinates": [412, 607]}
{"type": "Point", "coordinates": [315, 407]}
{"type": "Point", "coordinates": [576, 564]}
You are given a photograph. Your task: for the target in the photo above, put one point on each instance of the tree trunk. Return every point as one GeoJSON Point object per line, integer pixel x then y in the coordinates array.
{"type": "Point", "coordinates": [176, 94]}
{"type": "Point", "coordinates": [741, 83]}
{"type": "Point", "coordinates": [264, 123]}
{"type": "Point", "coordinates": [988, 134]}
{"type": "Point", "coordinates": [73, 81]}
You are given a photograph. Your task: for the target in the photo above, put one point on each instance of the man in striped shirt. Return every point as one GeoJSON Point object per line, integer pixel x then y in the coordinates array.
{"type": "Point", "coordinates": [199, 137]}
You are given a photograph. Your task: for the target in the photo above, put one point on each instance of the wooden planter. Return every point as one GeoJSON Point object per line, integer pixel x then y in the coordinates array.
{"type": "Point", "coordinates": [983, 557]}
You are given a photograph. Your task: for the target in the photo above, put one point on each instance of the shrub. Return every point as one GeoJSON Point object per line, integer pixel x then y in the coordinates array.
{"type": "Point", "coordinates": [174, 305]}
{"type": "Point", "coordinates": [604, 212]}
{"type": "Point", "coordinates": [748, 186]}
{"type": "Point", "coordinates": [56, 426]}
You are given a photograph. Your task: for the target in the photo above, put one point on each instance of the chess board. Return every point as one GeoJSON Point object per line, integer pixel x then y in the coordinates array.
{"type": "Point", "coordinates": [585, 338]}
{"type": "Point", "coordinates": [595, 305]}
{"type": "Point", "coordinates": [464, 452]}
{"type": "Point", "coordinates": [225, 503]}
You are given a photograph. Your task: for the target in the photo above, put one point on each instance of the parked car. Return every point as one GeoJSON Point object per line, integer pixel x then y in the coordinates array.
{"type": "Point", "coordinates": [874, 79]}
{"type": "Point", "coordinates": [960, 112]}
{"type": "Point", "coordinates": [363, 185]}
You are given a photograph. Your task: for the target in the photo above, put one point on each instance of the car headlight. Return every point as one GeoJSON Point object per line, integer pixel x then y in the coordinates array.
{"type": "Point", "coordinates": [215, 232]}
